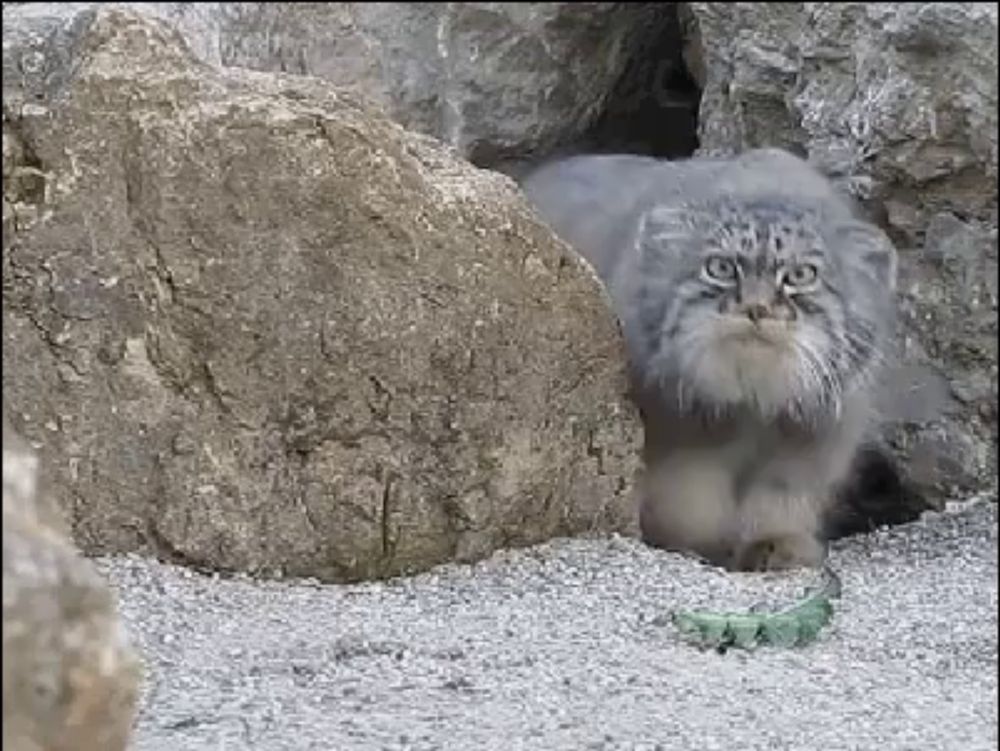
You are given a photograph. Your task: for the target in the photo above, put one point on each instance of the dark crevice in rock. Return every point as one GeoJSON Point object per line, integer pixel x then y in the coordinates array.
{"type": "Point", "coordinates": [653, 108]}
{"type": "Point", "coordinates": [388, 541]}
{"type": "Point", "coordinates": [23, 153]}
{"type": "Point", "coordinates": [24, 177]}
{"type": "Point", "coordinates": [165, 550]}
{"type": "Point", "coordinates": [595, 452]}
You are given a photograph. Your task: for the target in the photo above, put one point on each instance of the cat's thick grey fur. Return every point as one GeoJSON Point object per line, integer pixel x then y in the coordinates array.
{"type": "Point", "coordinates": [756, 306]}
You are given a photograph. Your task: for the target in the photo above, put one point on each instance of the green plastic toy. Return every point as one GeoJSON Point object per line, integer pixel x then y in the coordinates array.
{"type": "Point", "coordinates": [794, 627]}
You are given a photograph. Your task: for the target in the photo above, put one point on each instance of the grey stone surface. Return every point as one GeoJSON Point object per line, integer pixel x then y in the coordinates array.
{"type": "Point", "coordinates": [257, 325]}
{"type": "Point", "coordinates": [899, 98]}
{"type": "Point", "coordinates": [489, 79]}
{"type": "Point", "coordinates": [563, 647]}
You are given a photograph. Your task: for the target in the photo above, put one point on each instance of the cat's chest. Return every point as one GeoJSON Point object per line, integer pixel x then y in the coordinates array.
{"type": "Point", "coordinates": [741, 443]}
{"type": "Point", "coordinates": [757, 455]}
{"type": "Point", "coordinates": [748, 446]}
{"type": "Point", "coordinates": [744, 444]}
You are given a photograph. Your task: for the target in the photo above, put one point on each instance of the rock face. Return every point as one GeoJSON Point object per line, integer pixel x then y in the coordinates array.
{"type": "Point", "coordinates": [70, 678]}
{"type": "Point", "coordinates": [259, 326]}
{"type": "Point", "coordinates": [490, 79]}
{"type": "Point", "coordinates": [897, 99]}
{"type": "Point", "coordinates": [898, 103]}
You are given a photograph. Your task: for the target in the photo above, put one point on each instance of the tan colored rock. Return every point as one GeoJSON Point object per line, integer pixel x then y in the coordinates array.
{"type": "Point", "coordinates": [21, 496]}
{"type": "Point", "coordinates": [70, 677]}
{"type": "Point", "coordinates": [259, 326]}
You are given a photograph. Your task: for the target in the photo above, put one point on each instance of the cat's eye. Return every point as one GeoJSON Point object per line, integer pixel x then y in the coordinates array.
{"type": "Point", "coordinates": [800, 275]}
{"type": "Point", "coordinates": [720, 269]}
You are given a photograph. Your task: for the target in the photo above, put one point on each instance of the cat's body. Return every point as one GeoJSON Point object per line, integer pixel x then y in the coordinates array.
{"type": "Point", "coordinates": [755, 307]}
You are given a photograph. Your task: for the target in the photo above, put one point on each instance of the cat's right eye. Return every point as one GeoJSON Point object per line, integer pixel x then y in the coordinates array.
{"type": "Point", "coordinates": [720, 270]}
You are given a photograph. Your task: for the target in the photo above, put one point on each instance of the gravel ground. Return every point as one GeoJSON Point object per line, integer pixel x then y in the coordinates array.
{"type": "Point", "coordinates": [564, 646]}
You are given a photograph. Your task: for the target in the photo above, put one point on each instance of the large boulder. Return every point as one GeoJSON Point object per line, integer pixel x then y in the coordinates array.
{"type": "Point", "coordinates": [70, 676]}
{"type": "Point", "coordinates": [257, 325]}
{"type": "Point", "coordinates": [897, 102]}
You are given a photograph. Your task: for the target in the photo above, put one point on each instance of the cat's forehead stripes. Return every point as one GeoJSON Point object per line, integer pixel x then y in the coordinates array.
{"type": "Point", "coordinates": [765, 231]}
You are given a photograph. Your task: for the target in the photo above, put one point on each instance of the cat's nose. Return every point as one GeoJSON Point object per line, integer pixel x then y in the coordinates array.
{"type": "Point", "coordinates": [757, 311]}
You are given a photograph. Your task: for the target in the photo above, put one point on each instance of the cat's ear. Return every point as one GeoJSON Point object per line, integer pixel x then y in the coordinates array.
{"type": "Point", "coordinates": [871, 250]}
{"type": "Point", "coordinates": [665, 229]}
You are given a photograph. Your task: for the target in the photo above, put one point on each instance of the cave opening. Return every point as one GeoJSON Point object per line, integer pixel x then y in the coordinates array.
{"type": "Point", "coordinates": [653, 108]}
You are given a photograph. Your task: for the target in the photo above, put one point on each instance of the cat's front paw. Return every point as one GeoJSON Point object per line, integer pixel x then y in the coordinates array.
{"type": "Point", "coordinates": [779, 553]}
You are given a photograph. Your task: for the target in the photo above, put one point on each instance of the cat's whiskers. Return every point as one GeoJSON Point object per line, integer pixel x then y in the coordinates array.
{"type": "Point", "coordinates": [866, 355]}
{"type": "Point", "coordinates": [829, 387]}
{"type": "Point", "coordinates": [808, 379]}
{"type": "Point", "coordinates": [827, 381]}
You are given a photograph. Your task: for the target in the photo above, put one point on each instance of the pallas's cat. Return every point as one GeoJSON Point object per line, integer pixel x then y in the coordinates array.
{"type": "Point", "coordinates": [756, 307]}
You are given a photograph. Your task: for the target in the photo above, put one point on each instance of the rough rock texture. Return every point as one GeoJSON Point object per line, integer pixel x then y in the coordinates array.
{"type": "Point", "coordinates": [491, 79]}
{"type": "Point", "coordinates": [37, 37]}
{"type": "Point", "coordinates": [898, 102]}
{"type": "Point", "coordinates": [259, 326]}
{"type": "Point", "coordinates": [70, 677]}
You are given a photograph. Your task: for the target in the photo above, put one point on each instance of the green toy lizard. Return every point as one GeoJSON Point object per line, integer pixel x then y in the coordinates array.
{"type": "Point", "coordinates": [793, 627]}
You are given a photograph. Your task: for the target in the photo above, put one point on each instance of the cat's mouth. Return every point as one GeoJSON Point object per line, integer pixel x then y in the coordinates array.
{"type": "Point", "coordinates": [741, 330]}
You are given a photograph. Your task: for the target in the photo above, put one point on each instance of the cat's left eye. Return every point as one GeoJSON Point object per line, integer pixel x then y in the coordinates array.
{"type": "Point", "coordinates": [801, 275]}
{"type": "Point", "coordinates": [720, 269]}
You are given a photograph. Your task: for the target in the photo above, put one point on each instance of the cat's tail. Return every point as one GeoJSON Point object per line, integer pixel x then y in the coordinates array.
{"type": "Point", "coordinates": [876, 494]}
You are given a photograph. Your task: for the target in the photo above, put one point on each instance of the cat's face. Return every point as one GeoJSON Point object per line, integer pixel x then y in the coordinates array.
{"type": "Point", "coordinates": [762, 305]}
